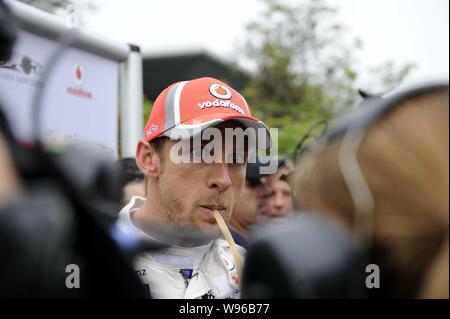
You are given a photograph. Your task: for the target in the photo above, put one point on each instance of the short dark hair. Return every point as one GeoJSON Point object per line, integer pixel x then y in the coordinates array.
{"type": "Point", "coordinates": [129, 172]}
{"type": "Point", "coordinates": [158, 143]}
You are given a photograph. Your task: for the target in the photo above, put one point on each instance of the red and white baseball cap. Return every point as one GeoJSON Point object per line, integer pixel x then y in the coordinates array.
{"type": "Point", "coordinates": [187, 107]}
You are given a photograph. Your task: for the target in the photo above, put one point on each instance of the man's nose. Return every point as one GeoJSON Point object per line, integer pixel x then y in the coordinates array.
{"type": "Point", "coordinates": [219, 179]}
{"type": "Point", "coordinates": [279, 201]}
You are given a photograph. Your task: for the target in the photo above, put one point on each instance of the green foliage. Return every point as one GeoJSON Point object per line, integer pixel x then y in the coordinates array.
{"type": "Point", "coordinates": [147, 108]}
{"type": "Point", "coordinates": [390, 75]}
{"type": "Point", "coordinates": [290, 132]}
{"type": "Point", "coordinates": [301, 59]}
{"type": "Point", "coordinates": [49, 5]}
{"type": "Point", "coordinates": [72, 10]}
{"type": "Point", "coordinates": [305, 67]}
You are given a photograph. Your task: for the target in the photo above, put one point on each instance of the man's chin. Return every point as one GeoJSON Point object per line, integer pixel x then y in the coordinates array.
{"type": "Point", "coordinates": [207, 227]}
{"type": "Point", "coordinates": [210, 226]}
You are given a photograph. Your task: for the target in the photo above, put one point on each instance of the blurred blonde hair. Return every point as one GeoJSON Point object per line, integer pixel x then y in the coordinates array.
{"type": "Point", "coordinates": [9, 178]}
{"type": "Point", "coordinates": [405, 160]}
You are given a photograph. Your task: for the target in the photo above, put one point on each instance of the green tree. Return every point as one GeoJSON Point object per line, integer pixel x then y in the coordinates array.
{"type": "Point", "coordinates": [147, 109]}
{"type": "Point", "coordinates": [388, 75]}
{"type": "Point", "coordinates": [305, 67]}
{"type": "Point", "coordinates": [65, 8]}
{"type": "Point", "coordinates": [49, 5]}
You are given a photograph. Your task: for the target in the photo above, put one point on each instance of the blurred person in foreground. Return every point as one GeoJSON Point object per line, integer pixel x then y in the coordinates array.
{"type": "Point", "coordinates": [185, 194]}
{"type": "Point", "coordinates": [10, 185]}
{"type": "Point", "coordinates": [280, 202]}
{"type": "Point", "coordinates": [131, 179]}
{"type": "Point", "coordinates": [55, 213]}
{"type": "Point", "coordinates": [252, 207]}
{"type": "Point", "coordinates": [404, 160]}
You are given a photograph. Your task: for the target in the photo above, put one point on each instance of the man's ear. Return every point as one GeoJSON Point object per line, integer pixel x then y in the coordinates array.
{"type": "Point", "coordinates": [148, 160]}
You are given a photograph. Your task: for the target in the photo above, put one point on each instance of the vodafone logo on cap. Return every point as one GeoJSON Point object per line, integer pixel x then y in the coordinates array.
{"type": "Point", "coordinates": [220, 91]}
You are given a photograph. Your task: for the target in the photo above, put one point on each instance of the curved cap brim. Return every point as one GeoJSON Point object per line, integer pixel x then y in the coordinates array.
{"type": "Point", "coordinates": [263, 138]}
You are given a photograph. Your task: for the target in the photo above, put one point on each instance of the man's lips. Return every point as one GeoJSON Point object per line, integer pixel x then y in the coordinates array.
{"type": "Point", "coordinates": [207, 210]}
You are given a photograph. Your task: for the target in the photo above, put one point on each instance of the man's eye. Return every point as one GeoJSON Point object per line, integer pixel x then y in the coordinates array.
{"type": "Point", "coordinates": [287, 194]}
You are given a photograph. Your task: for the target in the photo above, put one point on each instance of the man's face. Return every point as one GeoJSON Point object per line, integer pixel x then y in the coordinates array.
{"type": "Point", "coordinates": [190, 192]}
{"type": "Point", "coordinates": [253, 203]}
{"type": "Point", "coordinates": [280, 201]}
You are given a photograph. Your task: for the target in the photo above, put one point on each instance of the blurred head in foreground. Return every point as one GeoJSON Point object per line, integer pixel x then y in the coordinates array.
{"type": "Point", "coordinates": [397, 181]}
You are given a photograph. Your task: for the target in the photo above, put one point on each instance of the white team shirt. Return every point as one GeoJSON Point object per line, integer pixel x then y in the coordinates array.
{"type": "Point", "coordinates": [214, 274]}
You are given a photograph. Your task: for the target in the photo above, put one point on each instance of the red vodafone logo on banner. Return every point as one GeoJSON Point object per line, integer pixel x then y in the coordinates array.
{"type": "Point", "coordinates": [78, 72]}
{"type": "Point", "coordinates": [78, 90]}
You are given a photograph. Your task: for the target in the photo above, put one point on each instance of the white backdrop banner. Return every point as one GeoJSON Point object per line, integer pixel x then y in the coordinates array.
{"type": "Point", "coordinates": [80, 96]}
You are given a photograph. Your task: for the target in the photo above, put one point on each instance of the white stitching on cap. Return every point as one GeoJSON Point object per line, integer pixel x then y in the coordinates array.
{"type": "Point", "coordinates": [176, 102]}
